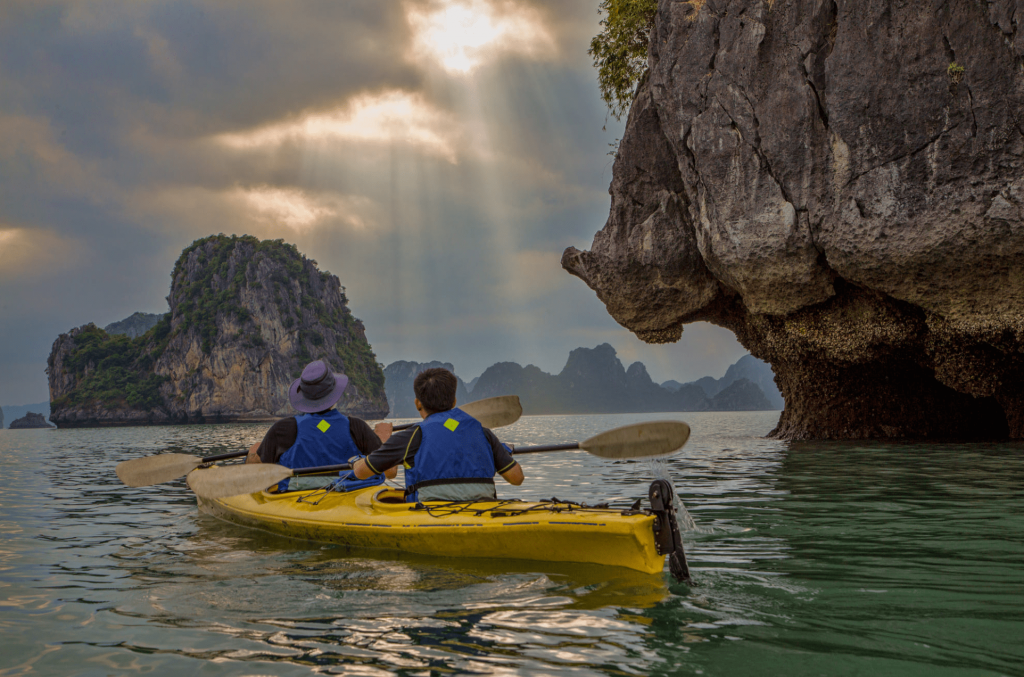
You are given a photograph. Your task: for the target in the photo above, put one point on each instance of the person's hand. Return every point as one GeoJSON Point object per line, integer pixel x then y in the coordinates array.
{"type": "Point", "coordinates": [253, 456]}
{"type": "Point", "coordinates": [383, 430]}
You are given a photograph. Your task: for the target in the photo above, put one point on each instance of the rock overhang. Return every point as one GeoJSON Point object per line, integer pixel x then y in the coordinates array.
{"type": "Point", "coordinates": [808, 175]}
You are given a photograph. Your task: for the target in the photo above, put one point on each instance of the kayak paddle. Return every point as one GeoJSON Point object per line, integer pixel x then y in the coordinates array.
{"type": "Point", "coordinates": [493, 412]}
{"type": "Point", "coordinates": [642, 440]}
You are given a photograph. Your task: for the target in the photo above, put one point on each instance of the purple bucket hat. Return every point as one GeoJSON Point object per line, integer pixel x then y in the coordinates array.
{"type": "Point", "coordinates": [317, 389]}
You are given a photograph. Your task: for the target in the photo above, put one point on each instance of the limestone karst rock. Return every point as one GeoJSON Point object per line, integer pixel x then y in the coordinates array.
{"type": "Point", "coordinates": [841, 184]}
{"type": "Point", "coordinates": [593, 381]}
{"type": "Point", "coordinates": [245, 317]}
{"type": "Point", "coordinates": [740, 395]}
{"type": "Point", "coordinates": [16, 411]}
{"type": "Point", "coordinates": [135, 325]}
{"type": "Point", "coordinates": [30, 420]}
{"type": "Point", "coordinates": [748, 367]}
{"type": "Point", "coordinates": [398, 381]}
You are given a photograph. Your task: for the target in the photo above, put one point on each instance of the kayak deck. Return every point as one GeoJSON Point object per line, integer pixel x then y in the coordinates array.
{"type": "Point", "coordinates": [513, 529]}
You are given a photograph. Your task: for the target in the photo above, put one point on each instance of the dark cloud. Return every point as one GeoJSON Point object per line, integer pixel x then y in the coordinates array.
{"type": "Point", "coordinates": [441, 198]}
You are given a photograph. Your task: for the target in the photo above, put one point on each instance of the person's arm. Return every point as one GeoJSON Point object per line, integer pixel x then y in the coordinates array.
{"type": "Point", "coordinates": [400, 448]}
{"type": "Point", "coordinates": [279, 439]}
{"type": "Point", "coordinates": [504, 464]}
{"type": "Point", "coordinates": [368, 441]}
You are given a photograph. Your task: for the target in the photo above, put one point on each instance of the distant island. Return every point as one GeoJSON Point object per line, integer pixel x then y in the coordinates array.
{"type": "Point", "coordinates": [245, 317]}
{"type": "Point", "coordinates": [30, 420]}
{"type": "Point", "coordinates": [11, 412]}
{"type": "Point", "coordinates": [595, 381]}
{"type": "Point", "coordinates": [134, 326]}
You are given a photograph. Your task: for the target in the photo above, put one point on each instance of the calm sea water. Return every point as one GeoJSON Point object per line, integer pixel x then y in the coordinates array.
{"type": "Point", "coordinates": [809, 559]}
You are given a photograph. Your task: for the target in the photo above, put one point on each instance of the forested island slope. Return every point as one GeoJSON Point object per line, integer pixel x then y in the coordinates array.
{"type": "Point", "coordinates": [245, 317]}
{"type": "Point", "coordinates": [841, 184]}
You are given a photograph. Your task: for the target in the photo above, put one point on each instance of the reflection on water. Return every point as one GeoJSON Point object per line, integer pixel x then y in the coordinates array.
{"type": "Point", "coordinates": [807, 558]}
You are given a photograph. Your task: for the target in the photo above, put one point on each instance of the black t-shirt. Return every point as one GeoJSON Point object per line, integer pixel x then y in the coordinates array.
{"type": "Point", "coordinates": [282, 436]}
{"type": "Point", "coordinates": [402, 446]}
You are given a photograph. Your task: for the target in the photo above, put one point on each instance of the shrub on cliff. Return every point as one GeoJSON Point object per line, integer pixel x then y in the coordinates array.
{"type": "Point", "coordinates": [620, 50]}
{"type": "Point", "coordinates": [113, 369]}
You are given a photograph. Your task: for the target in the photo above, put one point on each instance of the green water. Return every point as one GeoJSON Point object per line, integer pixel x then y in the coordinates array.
{"type": "Point", "coordinates": [809, 559]}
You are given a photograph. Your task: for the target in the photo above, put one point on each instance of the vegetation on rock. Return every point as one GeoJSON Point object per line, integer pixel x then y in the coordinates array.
{"type": "Point", "coordinates": [620, 50]}
{"type": "Point", "coordinates": [116, 369]}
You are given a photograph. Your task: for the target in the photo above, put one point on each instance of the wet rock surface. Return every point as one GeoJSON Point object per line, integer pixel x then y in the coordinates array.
{"type": "Point", "coordinates": [825, 181]}
{"type": "Point", "coordinates": [245, 317]}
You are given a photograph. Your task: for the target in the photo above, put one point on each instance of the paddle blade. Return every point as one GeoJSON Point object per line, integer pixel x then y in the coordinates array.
{"type": "Point", "coordinates": [232, 480]}
{"type": "Point", "coordinates": [495, 412]}
{"type": "Point", "coordinates": [142, 472]}
{"type": "Point", "coordinates": [643, 440]}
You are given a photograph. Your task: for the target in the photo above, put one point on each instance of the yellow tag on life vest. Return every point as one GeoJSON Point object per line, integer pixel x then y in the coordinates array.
{"type": "Point", "coordinates": [323, 425]}
{"type": "Point", "coordinates": [451, 424]}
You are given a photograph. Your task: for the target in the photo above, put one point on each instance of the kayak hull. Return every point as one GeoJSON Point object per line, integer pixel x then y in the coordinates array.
{"type": "Point", "coordinates": [377, 518]}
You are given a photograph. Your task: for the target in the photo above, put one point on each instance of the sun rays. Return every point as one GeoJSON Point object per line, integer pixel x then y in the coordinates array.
{"type": "Point", "coordinates": [461, 35]}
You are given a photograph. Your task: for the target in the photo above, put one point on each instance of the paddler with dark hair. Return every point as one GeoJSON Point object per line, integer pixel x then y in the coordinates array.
{"type": "Point", "coordinates": [320, 434]}
{"type": "Point", "coordinates": [447, 457]}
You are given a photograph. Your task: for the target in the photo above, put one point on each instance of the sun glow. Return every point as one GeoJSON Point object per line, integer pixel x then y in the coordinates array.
{"type": "Point", "coordinates": [288, 206]}
{"type": "Point", "coordinates": [462, 34]}
{"type": "Point", "coordinates": [382, 117]}
{"type": "Point", "coordinates": [33, 251]}
{"type": "Point", "coordinates": [298, 209]}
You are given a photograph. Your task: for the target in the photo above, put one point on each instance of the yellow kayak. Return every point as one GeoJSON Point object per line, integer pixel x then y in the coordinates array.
{"type": "Point", "coordinates": [378, 517]}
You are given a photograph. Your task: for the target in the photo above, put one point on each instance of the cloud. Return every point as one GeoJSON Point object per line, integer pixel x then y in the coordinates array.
{"type": "Point", "coordinates": [264, 210]}
{"type": "Point", "coordinates": [437, 155]}
{"type": "Point", "coordinates": [462, 35]}
{"type": "Point", "coordinates": [33, 253]}
{"type": "Point", "coordinates": [391, 116]}
{"type": "Point", "coordinates": [33, 154]}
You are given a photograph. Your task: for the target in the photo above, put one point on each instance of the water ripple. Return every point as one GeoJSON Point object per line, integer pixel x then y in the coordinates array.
{"type": "Point", "coordinates": [809, 559]}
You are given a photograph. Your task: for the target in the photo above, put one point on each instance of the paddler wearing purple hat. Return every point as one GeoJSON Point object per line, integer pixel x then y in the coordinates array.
{"type": "Point", "coordinates": [320, 435]}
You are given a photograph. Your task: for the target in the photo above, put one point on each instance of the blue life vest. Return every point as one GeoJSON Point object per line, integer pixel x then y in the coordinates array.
{"type": "Point", "coordinates": [453, 450]}
{"type": "Point", "coordinates": [325, 440]}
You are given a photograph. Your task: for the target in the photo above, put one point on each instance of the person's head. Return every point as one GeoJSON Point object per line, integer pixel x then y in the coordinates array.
{"type": "Point", "coordinates": [318, 389]}
{"type": "Point", "coordinates": [435, 391]}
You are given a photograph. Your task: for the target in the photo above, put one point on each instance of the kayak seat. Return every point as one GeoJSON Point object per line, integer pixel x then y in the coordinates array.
{"type": "Point", "coordinates": [389, 496]}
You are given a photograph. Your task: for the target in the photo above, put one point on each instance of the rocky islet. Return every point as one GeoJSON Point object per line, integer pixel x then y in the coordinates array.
{"type": "Point", "coordinates": [30, 420]}
{"type": "Point", "coordinates": [841, 184]}
{"type": "Point", "coordinates": [245, 317]}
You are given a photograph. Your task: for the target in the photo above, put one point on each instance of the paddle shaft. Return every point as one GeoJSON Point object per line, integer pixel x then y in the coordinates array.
{"type": "Point", "coordinates": [239, 454]}
{"type": "Point", "coordinates": [521, 450]}
{"type": "Point", "coordinates": [323, 469]}
{"type": "Point", "coordinates": [545, 447]}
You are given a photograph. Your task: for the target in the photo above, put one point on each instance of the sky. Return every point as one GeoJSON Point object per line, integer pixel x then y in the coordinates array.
{"type": "Point", "coordinates": [436, 155]}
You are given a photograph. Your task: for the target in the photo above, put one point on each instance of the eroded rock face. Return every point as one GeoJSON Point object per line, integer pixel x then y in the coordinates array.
{"type": "Point", "coordinates": [822, 179]}
{"type": "Point", "coordinates": [246, 316]}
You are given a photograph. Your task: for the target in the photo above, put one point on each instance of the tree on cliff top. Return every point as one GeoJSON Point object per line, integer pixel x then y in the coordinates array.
{"type": "Point", "coordinates": [620, 50]}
